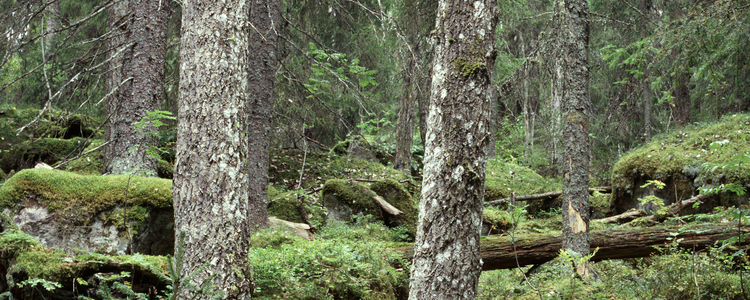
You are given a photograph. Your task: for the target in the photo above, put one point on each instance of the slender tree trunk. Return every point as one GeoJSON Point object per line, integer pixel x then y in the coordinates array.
{"type": "Point", "coordinates": [141, 90]}
{"type": "Point", "coordinates": [576, 116]}
{"type": "Point", "coordinates": [557, 86]}
{"type": "Point", "coordinates": [446, 257]}
{"type": "Point", "coordinates": [646, 87]}
{"type": "Point", "coordinates": [265, 16]}
{"type": "Point", "coordinates": [405, 128]}
{"type": "Point", "coordinates": [211, 194]}
{"type": "Point", "coordinates": [682, 99]}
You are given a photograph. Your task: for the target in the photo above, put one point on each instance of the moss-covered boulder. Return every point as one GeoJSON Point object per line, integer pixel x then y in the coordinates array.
{"type": "Point", "coordinates": [71, 211]}
{"type": "Point", "coordinates": [295, 207]}
{"type": "Point", "coordinates": [395, 194]}
{"type": "Point", "coordinates": [344, 200]}
{"type": "Point", "coordinates": [697, 156]}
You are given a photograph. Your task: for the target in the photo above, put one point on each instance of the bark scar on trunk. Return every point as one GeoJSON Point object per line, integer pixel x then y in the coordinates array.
{"type": "Point", "coordinates": [577, 225]}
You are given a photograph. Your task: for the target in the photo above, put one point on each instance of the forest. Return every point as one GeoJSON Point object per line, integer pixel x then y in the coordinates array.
{"type": "Point", "coordinates": [374, 149]}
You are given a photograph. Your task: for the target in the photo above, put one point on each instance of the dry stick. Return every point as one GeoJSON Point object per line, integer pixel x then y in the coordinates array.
{"type": "Point", "coordinates": [304, 159]}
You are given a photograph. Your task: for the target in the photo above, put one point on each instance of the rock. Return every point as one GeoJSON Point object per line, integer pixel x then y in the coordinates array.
{"type": "Point", "coordinates": [68, 211]}
{"type": "Point", "coordinates": [300, 230]}
{"type": "Point", "coordinates": [359, 149]}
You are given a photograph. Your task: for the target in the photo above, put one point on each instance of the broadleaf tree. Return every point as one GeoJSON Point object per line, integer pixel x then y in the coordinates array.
{"type": "Point", "coordinates": [446, 261]}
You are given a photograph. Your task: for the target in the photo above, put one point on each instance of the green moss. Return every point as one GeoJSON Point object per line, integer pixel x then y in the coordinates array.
{"type": "Point", "coordinates": [395, 194]}
{"type": "Point", "coordinates": [349, 195]}
{"type": "Point", "coordinates": [469, 67]}
{"type": "Point", "coordinates": [78, 198]}
{"type": "Point", "coordinates": [686, 151]}
{"type": "Point", "coordinates": [165, 169]}
{"type": "Point", "coordinates": [600, 205]}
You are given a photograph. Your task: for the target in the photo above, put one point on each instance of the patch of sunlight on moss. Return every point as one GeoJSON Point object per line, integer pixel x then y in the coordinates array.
{"type": "Point", "coordinates": [685, 151]}
{"type": "Point", "coordinates": [77, 198]}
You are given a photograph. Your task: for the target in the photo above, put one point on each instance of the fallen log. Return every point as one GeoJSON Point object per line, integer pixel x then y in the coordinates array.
{"type": "Point", "coordinates": [497, 251]}
{"type": "Point", "coordinates": [604, 189]}
{"type": "Point", "coordinates": [633, 214]}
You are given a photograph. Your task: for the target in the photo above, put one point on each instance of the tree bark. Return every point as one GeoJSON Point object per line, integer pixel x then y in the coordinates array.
{"type": "Point", "coordinates": [497, 251]}
{"type": "Point", "coordinates": [141, 88]}
{"type": "Point", "coordinates": [576, 115]}
{"type": "Point", "coordinates": [265, 16]}
{"type": "Point", "coordinates": [446, 263]}
{"type": "Point", "coordinates": [405, 128]}
{"type": "Point", "coordinates": [212, 170]}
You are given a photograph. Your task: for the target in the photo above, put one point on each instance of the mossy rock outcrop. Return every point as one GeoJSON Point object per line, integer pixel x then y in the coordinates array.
{"type": "Point", "coordinates": [699, 156]}
{"type": "Point", "coordinates": [71, 211]}
{"type": "Point", "coordinates": [80, 274]}
{"type": "Point", "coordinates": [344, 199]}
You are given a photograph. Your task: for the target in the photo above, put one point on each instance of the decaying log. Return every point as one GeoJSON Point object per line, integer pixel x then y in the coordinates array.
{"type": "Point", "coordinates": [632, 214]}
{"type": "Point", "coordinates": [497, 251]}
{"type": "Point", "coordinates": [387, 207]}
{"type": "Point", "coordinates": [604, 189]}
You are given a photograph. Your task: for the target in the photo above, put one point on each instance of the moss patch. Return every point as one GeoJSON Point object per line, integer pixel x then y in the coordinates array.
{"type": "Point", "coordinates": [90, 163]}
{"type": "Point", "coordinates": [78, 198]}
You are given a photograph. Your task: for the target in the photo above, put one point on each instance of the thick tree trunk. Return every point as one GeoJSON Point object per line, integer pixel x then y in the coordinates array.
{"type": "Point", "coordinates": [211, 194]}
{"type": "Point", "coordinates": [142, 70]}
{"type": "Point", "coordinates": [446, 262]}
{"type": "Point", "coordinates": [265, 16]}
{"type": "Point", "coordinates": [405, 128]}
{"type": "Point", "coordinates": [497, 251]}
{"type": "Point", "coordinates": [576, 116]}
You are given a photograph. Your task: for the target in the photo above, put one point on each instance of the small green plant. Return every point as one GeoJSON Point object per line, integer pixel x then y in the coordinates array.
{"type": "Point", "coordinates": [658, 202]}
{"type": "Point", "coordinates": [149, 125]}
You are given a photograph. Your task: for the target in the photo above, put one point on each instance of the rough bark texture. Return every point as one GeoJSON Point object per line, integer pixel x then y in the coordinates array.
{"type": "Point", "coordinates": [446, 261]}
{"type": "Point", "coordinates": [576, 109]}
{"type": "Point", "coordinates": [405, 128]}
{"type": "Point", "coordinates": [211, 195]}
{"type": "Point", "coordinates": [142, 69]}
{"type": "Point", "coordinates": [646, 86]}
{"type": "Point", "coordinates": [264, 15]}
{"type": "Point", "coordinates": [497, 251]}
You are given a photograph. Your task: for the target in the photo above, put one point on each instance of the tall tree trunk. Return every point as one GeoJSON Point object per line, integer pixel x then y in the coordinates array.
{"type": "Point", "coordinates": [211, 194]}
{"type": "Point", "coordinates": [557, 85]}
{"type": "Point", "coordinates": [576, 115]}
{"type": "Point", "coordinates": [405, 128]}
{"type": "Point", "coordinates": [646, 87]}
{"type": "Point", "coordinates": [117, 24]}
{"type": "Point", "coordinates": [141, 91]}
{"type": "Point", "coordinates": [682, 99]}
{"type": "Point", "coordinates": [265, 16]}
{"type": "Point", "coordinates": [446, 257]}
